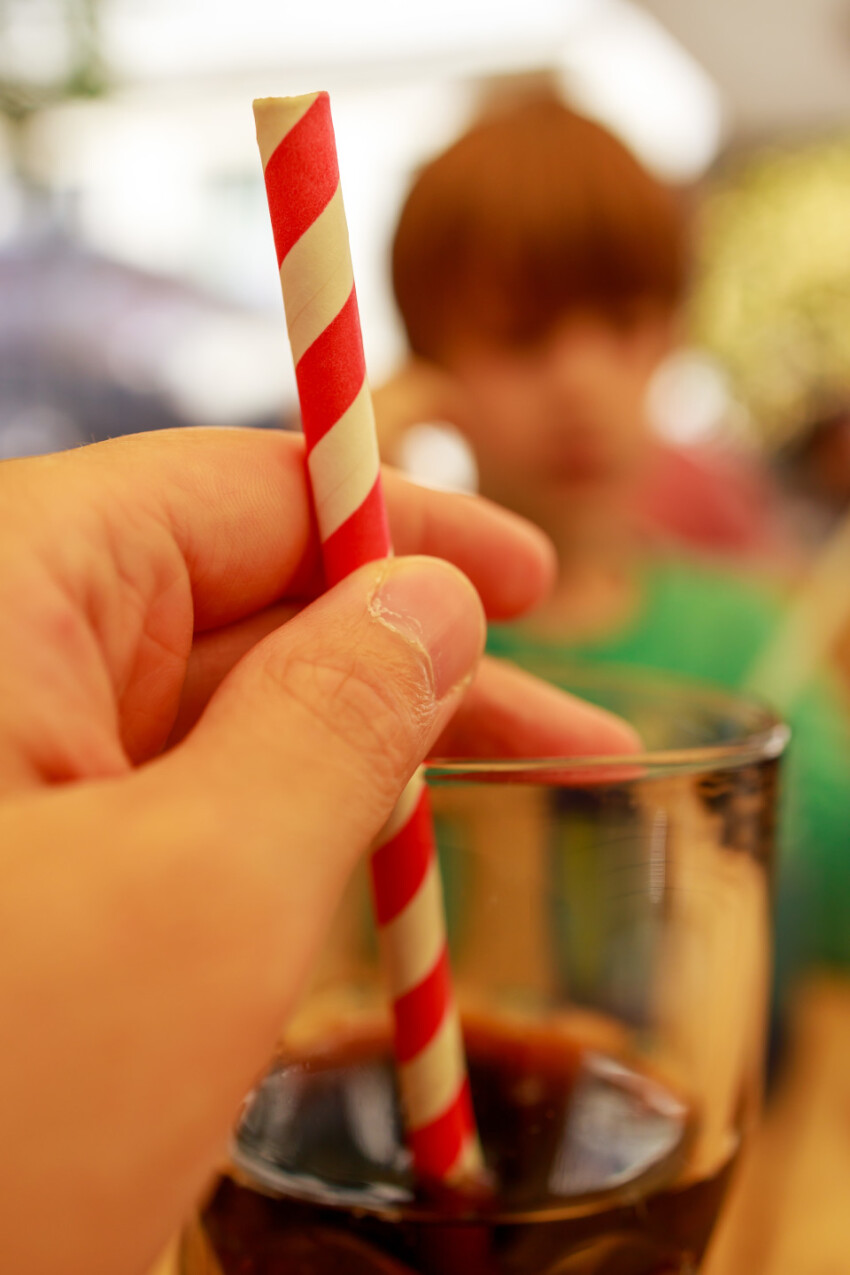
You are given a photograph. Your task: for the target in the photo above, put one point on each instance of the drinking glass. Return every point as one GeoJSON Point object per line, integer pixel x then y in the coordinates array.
{"type": "Point", "coordinates": [609, 923]}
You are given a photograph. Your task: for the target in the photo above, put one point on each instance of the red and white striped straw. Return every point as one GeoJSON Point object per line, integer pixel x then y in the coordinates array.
{"type": "Point", "coordinates": [298, 150]}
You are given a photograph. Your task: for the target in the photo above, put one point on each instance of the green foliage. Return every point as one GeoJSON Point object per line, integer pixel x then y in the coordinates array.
{"type": "Point", "coordinates": [773, 293]}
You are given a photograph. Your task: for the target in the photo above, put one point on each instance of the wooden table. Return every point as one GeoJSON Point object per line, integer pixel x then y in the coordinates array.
{"type": "Point", "coordinates": [789, 1211]}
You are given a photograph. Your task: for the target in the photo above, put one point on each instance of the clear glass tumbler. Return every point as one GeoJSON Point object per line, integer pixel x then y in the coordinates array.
{"type": "Point", "coordinates": [609, 925]}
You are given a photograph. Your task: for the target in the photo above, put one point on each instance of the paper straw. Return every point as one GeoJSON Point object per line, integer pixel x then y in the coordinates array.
{"type": "Point", "coordinates": [298, 151]}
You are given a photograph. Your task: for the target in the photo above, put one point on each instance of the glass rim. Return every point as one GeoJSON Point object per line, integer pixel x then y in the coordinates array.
{"type": "Point", "coordinates": [763, 735]}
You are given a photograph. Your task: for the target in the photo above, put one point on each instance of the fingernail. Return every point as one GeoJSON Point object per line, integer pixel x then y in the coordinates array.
{"type": "Point", "coordinates": [432, 605]}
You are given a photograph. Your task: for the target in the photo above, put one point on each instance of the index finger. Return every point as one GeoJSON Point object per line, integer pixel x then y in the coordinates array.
{"type": "Point", "coordinates": [237, 502]}
{"type": "Point", "coordinates": [510, 562]}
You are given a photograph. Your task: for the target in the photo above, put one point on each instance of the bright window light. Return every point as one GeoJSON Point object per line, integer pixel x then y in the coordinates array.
{"type": "Point", "coordinates": [162, 37]}
{"type": "Point", "coordinates": [623, 67]}
{"type": "Point", "coordinates": [34, 41]}
{"type": "Point", "coordinates": [618, 62]}
{"type": "Point", "coordinates": [689, 400]}
{"type": "Point", "coordinates": [437, 455]}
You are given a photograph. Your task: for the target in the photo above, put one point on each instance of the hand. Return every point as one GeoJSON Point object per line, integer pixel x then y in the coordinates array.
{"type": "Point", "coordinates": [186, 783]}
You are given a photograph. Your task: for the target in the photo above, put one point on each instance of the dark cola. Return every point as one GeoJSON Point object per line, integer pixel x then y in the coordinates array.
{"type": "Point", "coordinates": [587, 1172]}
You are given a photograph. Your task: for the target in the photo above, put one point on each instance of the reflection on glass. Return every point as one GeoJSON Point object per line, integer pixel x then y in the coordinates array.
{"type": "Point", "coordinates": [609, 933]}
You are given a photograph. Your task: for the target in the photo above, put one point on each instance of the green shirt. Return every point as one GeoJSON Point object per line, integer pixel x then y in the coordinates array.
{"type": "Point", "coordinates": [705, 623]}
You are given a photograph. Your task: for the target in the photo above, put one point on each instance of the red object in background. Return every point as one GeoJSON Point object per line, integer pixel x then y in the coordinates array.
{"type": "Point", "coordinates": [711, 500]}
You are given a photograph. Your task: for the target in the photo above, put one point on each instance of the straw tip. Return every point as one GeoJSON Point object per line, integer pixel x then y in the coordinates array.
{"type": "Point", "coordinates": [274, 117]}
{"type": "Point", "coordinates": [263, 105]}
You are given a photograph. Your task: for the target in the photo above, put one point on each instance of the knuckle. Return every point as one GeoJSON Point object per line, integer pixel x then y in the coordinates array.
{"type": "Point", "coordinates": [376, 711]}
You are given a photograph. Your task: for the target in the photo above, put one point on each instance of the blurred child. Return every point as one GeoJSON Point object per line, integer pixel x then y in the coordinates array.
{"type": "Point", "coordinates": [540, 271]}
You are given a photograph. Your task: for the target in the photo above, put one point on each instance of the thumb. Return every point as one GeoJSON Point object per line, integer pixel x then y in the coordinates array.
{"type": "Point", "coordinates": [317, 730]}
{"type": "Point", "coordinates": [306, 746]}
{"type": "Point", "coordinates": [156, 929]}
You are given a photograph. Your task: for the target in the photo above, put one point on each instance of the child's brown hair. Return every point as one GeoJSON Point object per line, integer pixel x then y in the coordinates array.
{"type": "Point", "coordinates": [533, 213]}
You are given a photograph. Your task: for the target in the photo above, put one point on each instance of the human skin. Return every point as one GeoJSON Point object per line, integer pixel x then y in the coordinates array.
{"type": "Point", "coordinates": [195, 749]}
{"type": "Point", "coordinates": [558, 425]}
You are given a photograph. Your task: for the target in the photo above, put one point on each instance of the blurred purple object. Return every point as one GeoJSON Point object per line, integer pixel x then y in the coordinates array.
{"type": "Point", "coordinates": [87, 348]}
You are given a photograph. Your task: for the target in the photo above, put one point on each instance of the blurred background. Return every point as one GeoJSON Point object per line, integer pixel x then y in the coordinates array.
{"type": "Point", "coordinates": [138, 290]}
{"type": "Point", "coordinates": [137, 284]}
